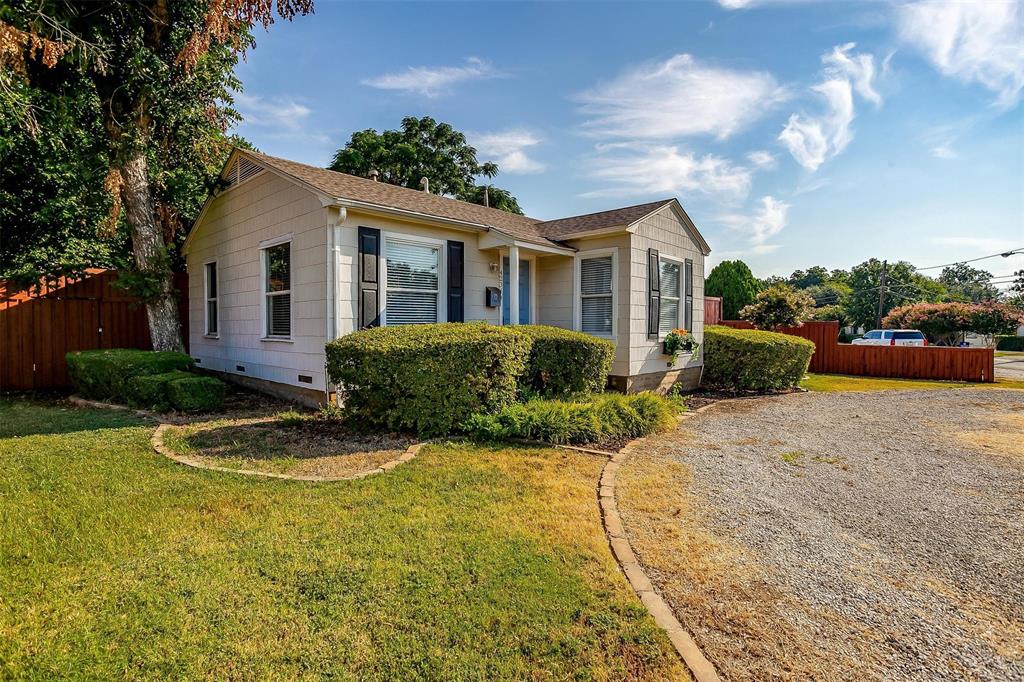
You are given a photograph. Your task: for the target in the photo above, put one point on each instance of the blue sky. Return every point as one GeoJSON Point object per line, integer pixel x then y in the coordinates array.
{"type": "Point", "coordinates": [794, 133]}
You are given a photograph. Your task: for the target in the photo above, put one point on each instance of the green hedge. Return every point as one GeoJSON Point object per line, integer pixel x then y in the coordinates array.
{"type": "Point", "coordinates": [195, 393]}
{"type": "Point", "coordinates": [104, 374]}
{"type": "Point", "coordinates": [751, 360]}
{"type": "Point", "coordinates": [426, 378]}
{"type": "Point", "coordinates": [149, 391]}
{"type": "Point", "coordinates": [610, 417]}
{"type": "Point", "coordinates": [1010, 343]}
{"type": "Point", "coordinates": [564, 362]}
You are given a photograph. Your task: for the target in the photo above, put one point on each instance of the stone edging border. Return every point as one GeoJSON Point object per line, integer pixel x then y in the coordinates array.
{"type": "Point", "coordinates": [157, 441]}
{"type": "Point", "coordinates": [158, 445]}
{"type": "Point", "coordinates": [700, 667]}
{"type": "Point", "coordinates": [687, 648]}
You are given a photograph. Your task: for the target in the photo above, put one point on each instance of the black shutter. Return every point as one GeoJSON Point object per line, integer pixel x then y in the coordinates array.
{"type": "Point", "coordinates": [688, 279]}
{"type": "Point", "coordinates": [456, 281]}
{"type": "Point", "coordinates": [653, 293]}
{"type": "Point", "coordinates": [369, 277]}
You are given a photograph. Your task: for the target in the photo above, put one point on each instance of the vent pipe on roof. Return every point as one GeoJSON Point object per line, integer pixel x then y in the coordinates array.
{"type": "Point", "coordinates": [425, 184]}
{"type": "Point", "coordinates": [374, 174]}
{"type": "Point", "coordinates": [487, 197]}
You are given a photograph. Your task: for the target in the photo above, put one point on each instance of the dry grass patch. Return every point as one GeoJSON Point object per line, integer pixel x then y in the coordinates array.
{"type": "Point", "coordinates": [1003, 438]}
{"type": "Point", "coordinates": [717, 588]}
{"type": "Point", "coordinates": [302, 447]}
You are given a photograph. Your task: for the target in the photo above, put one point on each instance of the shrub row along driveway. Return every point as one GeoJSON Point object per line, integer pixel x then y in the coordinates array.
{"type": "Point", "coordinates": [845, 535]}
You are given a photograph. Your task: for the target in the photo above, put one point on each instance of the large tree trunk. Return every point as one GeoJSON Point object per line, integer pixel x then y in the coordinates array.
{"type": "Point", "coordinates": [148, 249]}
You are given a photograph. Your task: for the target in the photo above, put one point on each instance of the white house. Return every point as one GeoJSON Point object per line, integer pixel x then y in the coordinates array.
{"type": "Point", "coordinates": [290, 256]}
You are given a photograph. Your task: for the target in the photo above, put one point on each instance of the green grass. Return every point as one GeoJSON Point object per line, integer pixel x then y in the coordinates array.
{"type": "Point", "coordinates": [832, 383]}
{"type": "Point", "coordinates": [793, 458]}
{"type": "Point", "coordinates": [1009, 353]}
{"type": "Point", "coordinates": [466, 563]}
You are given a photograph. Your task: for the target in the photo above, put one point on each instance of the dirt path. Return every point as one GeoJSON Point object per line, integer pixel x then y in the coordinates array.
{"type": "Point", "coordinates": [845, 535]}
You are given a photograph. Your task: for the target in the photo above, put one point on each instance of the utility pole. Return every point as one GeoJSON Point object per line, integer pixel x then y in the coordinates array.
{"type": "Point", "coordinates": [881, 295]}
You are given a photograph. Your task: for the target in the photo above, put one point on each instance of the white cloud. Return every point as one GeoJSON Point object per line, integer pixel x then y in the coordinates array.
{"type": "Point", "coordinates": [666, 170]}
{"type": "Point", "coordinates": [430, 81]}
{"type": "Point", "coordinates": [944, 151]}
{"type": "Point", "coordinates": [979, 42]}
{"type": "Point", "coordinates": [761, 225]}
{"type": "Point", "coordinates": [275, 112]}
{"type": "Point", "coordinates": [762, 159]}
{"type": "Point", "coordinates": [860, 69]}
{"type": "Point", "coordinates": [814, 139]}
{"type": "Point", "coordinates": [508, 148]}
{"type": "Point", "coordinates": [677, 97]}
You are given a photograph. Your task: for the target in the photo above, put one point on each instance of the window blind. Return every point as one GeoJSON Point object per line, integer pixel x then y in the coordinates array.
{"type": "Point", "coordinates": [596, 308]}
{"type": "Point", "coordinates": [278, 287]}
{"type": "Point", "coordinates": [211, 298]}
{"type": "Point", "coordinates": [670, 295]}
{"type": "Point", "coordinates": [413, 283]}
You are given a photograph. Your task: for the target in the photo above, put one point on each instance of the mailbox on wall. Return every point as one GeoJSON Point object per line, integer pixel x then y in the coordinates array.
{"type": "Point", "coordinates": [492, 297]}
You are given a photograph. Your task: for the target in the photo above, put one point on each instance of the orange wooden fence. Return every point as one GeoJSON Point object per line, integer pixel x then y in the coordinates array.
{"type": "Point", "coordinates": [905, 362]}
{"type": "Point", "coordinates": [40, 324]}
{"type": "Point", "coordinates": [712, 310]}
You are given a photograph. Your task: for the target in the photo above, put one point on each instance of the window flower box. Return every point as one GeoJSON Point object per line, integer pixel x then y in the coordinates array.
{"type": "Point", "coordinates": [676, 342]}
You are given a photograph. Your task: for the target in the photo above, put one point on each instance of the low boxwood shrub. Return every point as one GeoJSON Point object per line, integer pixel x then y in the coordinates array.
{"type": "Point", "coordinates": [751, 360]}
{"type": "Point", "coordinates": [426, 378]}
{"type": "Point", "coordinates": [176, 390]}
{"type": "Point", "coordinates": [149, 391]}
{"type": "Point", "coordinates": [104, 374]}
{"type": "Point", "coordinates": [195, 393]}
{"type": "Point", "coordinates": [564, 362]}
{"type": "Point", "coordinates": [1010, 343]}
{"type": "Point", "coordinates": [595, 419]}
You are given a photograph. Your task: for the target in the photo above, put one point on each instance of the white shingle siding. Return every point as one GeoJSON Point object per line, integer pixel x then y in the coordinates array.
{"type": "Point", "coordinates": [666, 232]}
{"type": "Point", "coordinates": [235, 223]}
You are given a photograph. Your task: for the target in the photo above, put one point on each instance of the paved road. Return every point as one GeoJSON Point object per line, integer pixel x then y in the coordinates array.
{"type": "Point", "coordinates": [891, 524]}
{"type": "Point", "coordinates": [1010, 367]}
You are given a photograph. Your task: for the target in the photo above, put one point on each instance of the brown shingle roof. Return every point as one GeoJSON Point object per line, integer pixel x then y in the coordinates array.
{"type": "Point", "coordinates": [344, 186]}
{"type": "Point", "coordinates": [556, 229]}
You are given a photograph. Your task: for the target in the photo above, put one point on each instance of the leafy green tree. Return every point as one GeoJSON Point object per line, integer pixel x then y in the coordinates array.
{"type": "Point", "coordinates": [496, 198]}
{"type": "Point", "coordinates": [53, 205]}
{"type": "Point", "coordinates": [903, 286]}
{"type": "Point", "coordinates": [813, 276]}
{"type": "Point", "coordinates": [422, 148]}
{"type": "Point", "coordinates": [967, 283]}
{"type": "Point", "coordinates": [735, 284]}
{"type": "Point", "coordinates": [777, 306]}
{"type": "Point", "coordinates": [162, 74]}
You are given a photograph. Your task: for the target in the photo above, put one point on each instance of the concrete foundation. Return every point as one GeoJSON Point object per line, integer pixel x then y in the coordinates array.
{"type": "Point", "coordinates": [687, 379]}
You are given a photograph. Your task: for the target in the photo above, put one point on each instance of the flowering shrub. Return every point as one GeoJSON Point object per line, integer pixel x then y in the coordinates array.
{"type": "Point", "coordinates": [942, 323]}
{"type": "Point", "coordinates": [678, 341]}
{"type": "Point", "coordinates": [778, 306]}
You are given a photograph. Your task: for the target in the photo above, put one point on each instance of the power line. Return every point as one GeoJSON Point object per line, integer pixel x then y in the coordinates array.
{"type": "Point", "coordinates": [1004, 254]}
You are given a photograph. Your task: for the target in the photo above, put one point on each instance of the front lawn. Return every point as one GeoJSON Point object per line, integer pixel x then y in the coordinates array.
{"type": "Point", "coordinates": [831, 383]}
{"type": "Point", "coordinates": [468, 562]}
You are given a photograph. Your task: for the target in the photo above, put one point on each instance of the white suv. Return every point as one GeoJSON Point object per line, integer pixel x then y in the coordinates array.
{"type": "Point", "coordinates": [892, 337]}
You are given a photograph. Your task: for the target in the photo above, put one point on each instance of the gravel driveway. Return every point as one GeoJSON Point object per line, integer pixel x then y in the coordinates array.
{"type": "Point", "coordinates": [893, 521]}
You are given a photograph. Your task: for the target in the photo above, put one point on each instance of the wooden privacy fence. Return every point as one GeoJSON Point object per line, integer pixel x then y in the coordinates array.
{"type": "Point", "coordinates": [904, 362]}
{"type": "Point", "coordinates": [712, 310]}
{"type": "Point", "coordinates": [39, 325]}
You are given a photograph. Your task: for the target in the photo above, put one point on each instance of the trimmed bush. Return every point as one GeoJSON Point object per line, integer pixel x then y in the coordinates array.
{"type": "Point", "coordinates": [175, 391]}
{"type": "Point", "coordinates": [1010, 343]}
{"type": "Point", "coordinates": [751, 360]}
{"type": "Point", "coordinates": [149, 391]}
{"type": "Point", "coordinates": [104, 374]}
{"type": "Point", "coordinates": [601, 418]}
{"type": "Point", "coordinates": [564, 362]}
{"type": "Point", "coordinates": [426, 378]}
{"type": "Point", "coordinates": [195, 393]}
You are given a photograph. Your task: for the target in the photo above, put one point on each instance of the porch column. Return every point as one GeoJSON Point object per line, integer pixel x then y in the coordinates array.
{"type": "Point", "coordinates": [513, 284]}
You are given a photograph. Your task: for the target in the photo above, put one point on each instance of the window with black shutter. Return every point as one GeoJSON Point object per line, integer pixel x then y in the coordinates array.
{"type": "Point", "coordinates": [653, 293]}
{"type": "Point", "coordinates": [456, 281]}
{"type": "Point", "coordinates": [688, 277]}
{"type": "Point", "coordinates": [369, 277]}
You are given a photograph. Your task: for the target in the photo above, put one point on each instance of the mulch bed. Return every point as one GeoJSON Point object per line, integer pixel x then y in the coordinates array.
{"type": "Point", "coordinates": [708, 396]}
